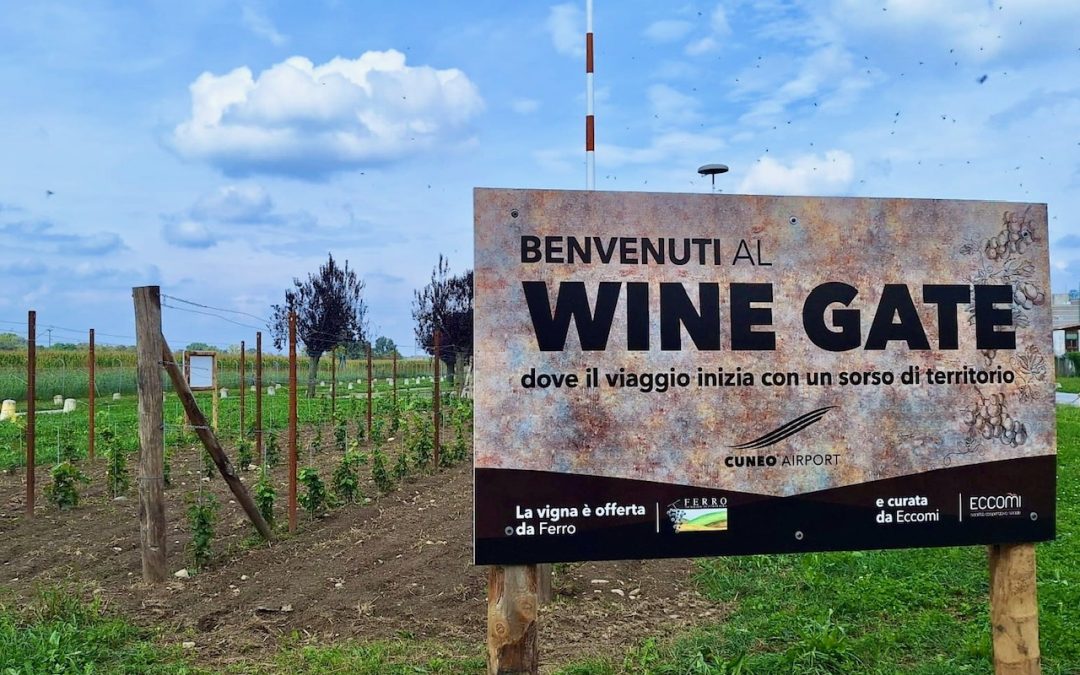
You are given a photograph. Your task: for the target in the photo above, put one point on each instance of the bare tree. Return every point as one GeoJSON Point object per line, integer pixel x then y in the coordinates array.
{"type": "Point", "coordinates": [330, 311]}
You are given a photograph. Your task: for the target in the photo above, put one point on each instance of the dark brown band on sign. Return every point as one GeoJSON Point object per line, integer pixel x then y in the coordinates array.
{"type": "Point", "coordinates": [588, 53]}
{"type": "Point", "coordinates": [590, 140]}
{"type": "Point", "coordinates": [1007, 501]}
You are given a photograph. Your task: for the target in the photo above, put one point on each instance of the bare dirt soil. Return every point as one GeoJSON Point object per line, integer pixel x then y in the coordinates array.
{"type": "Point", "coordinates": [398, 565]}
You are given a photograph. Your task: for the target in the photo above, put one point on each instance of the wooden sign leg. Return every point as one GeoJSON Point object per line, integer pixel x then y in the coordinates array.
{"type": "Point", "coordinates": [1014, 611]}
{"type": "Point", "coordinates": [544, 592]}
{"type": "Point", "coordinates": [511, 641]}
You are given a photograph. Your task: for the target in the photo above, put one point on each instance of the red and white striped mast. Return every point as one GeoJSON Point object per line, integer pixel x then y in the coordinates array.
{"type": "Point", "coordinates": [590, 131]}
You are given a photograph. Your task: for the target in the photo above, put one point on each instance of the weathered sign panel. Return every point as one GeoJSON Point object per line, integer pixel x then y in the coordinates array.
{"type": "Point", "coordinates": [199, 369]}
{"type": "Point", "coordinates": [662, 375]}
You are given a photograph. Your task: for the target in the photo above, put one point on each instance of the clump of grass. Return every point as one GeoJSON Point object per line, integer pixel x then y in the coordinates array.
{"type": "Point", "coordinates": [59, 633]}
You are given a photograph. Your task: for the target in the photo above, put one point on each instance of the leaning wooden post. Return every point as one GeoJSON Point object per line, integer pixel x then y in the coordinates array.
{"type": "Point", "coordinates": [258, 400]}
{"type": "Point", "coordinates": [31, 407]}
{"type": "Point", "coordinates": [243, 386]}
{"type": "Point", "coordinates": [211, 443]}
{"type": "Point", "coordinates": [150, 354]}
{"type": "Point", "coordinates": [91, 403]}
{"type": "Point", "coordinates": [369, 386]}
{"type": "Point", "coordinates": [292, 422]}
{"type": "Point", "coordinates": [511, 613]}
{"type": "Point", "coordinates": [1014, 610]}
{"type": "Point", "coordinates": [435, 401]}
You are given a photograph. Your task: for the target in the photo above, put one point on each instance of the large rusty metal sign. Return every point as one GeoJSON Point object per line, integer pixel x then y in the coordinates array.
{"type": "Point", "coordinates": [661, 375]}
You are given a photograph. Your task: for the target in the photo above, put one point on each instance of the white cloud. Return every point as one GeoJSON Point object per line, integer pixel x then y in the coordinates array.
{"type": "Point", "coordinates": [524, 106]}
{"type": "Point", "coordinates": [701, 46]}
{"type": "Point", "coordinates": [255, 20]}
{"type": "Point", "coordinates": [976, 29]}
{"type": "Point", "coordinates": [672, 148]}
{"type": "Point", "coordinates": [719, 28]}
{"type": "Point", "coordinates": [300, 119]}
{"type": "Point", "coordinates": [667, 30]}
{"type": "Point", "coordinates": [804, 175]}
{"type": "Point", "coordinates": [244, 203]}
{"type": "Point", "coordinates": [829, 73]}
{"type": "Point", "coordinates": [672, 106]}
{"type": "Point", "coordinates": [719, 23]}
{"type": "Point", "coordinates": [187, 234]}
{"type": "Point", "coordinates": [566, 24]}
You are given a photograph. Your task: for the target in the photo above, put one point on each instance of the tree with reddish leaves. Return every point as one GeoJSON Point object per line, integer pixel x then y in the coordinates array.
{"type": "Point", "coordinates": [330, 311]}
{"type": "Point", "coordinates": [446, 305]}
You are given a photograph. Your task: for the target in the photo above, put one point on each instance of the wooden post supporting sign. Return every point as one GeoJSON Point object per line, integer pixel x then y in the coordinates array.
{"type": "Point", "coordinates": [1014, 610]}
{"type": "Point", "coordinates": [511, 640]}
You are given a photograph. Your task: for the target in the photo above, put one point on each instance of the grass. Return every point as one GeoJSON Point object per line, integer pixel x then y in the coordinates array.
{"type": "Point", "coordinates": [61, 634]}
{"type": "Point", "coordinates": [66, 372]}
{"type": "Point", "coordinates": [1069, 385]}
{"type": "Point", "coordinates": [55, 431]}
{"type": "Point", "coordinates": [921, 611]}
{"type": "Point", "coordinates": [390, 657]}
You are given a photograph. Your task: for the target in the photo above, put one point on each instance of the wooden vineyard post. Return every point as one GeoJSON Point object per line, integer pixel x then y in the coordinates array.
{"type": "Point", "coordinates": [393, 375]}
{"type": "Point", "coordinates": [214, 395]}
{"type": "Point", "coordinates": [210, 442]}
{"type": "Point", "coordinates": [258, 400]}
{"type": "Point", "coordinates": [150, 354]}
{"type": "Point", "coordinates": [31, 407]}
{"type": "Point", "coordinates": [333, 381]}
{"type": "Point", "coordinates": [292, 422]}
{"type": "Point", "coordinates": [436, 400]}
{"type": "Point", "coordinates": [369, 387]}
{"type": "Point", "coordinates": [243, 386]}
{"type": "Point", "coordinates": [1014, 610]}
{"type": "Point", "coordinates": [511, 614]}
{"type": "Point", "coordinates": [90, 359]}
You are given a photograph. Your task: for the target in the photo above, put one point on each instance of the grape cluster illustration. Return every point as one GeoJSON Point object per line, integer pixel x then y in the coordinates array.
{"type": "Point", "coordinates": [1027, 294]}
{"type": "Point", "coordinates": [989, 418]}
{"type": "Point", "coordinates": [1015, 237]}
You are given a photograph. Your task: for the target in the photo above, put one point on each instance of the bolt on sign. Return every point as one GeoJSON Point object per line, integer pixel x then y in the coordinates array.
{"type": "Point", "coordinates": [673, 375]}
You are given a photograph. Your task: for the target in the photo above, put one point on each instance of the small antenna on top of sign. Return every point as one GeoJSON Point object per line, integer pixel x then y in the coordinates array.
{"type": "Point", "coordinates": [711, 170]}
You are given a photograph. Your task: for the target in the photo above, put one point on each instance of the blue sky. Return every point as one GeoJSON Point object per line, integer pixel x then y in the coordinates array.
{"type": "Point", "coordinates": [220, 148]}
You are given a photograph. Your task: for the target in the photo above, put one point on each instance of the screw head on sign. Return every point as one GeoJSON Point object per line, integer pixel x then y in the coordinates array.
{"type": "Point", "coordinates": [1034, 516]}
{"type": "Point", "coordinates": [513, 213]}
{"type": "Point", "coordinates": [798, 535]}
